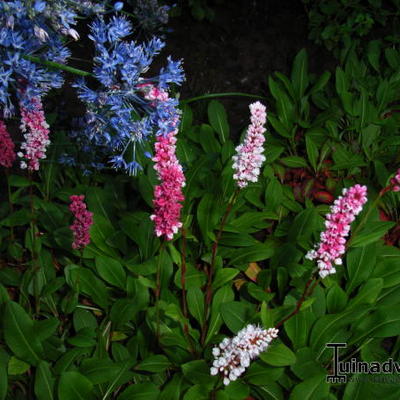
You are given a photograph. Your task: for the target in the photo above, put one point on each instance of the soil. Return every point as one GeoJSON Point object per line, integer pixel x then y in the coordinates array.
{"type": "Point", "coordinates": [246, 42]}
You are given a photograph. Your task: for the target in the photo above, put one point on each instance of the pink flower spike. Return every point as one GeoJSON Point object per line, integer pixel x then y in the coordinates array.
{"type": "Point", "coordinates": [168, 194]}
{"type": "Point", "coordinates": [233, 356]}
{"type": "Point", "coordinates": [249, 158]}
{"type": "Point", "coordinates": [82, 222]}
{"type": "Point", "coordinates": [7, 154]}
{"type": "Point", "coordinates": [36, 134]}
{"type": "Point", "coordinates": [332, 246]}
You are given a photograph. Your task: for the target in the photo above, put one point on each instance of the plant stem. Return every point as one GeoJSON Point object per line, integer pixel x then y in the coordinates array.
{"type": "Point", "coordinates": [57, 66]}
{"type": "Point", "coordinates": [184, 298]}
{"type": "Point", "coordinates": [35, 265]}
{"type": "Point", "coordinates": [10, 203]}
{"type": "Point", "coordinates": [158, 289]}
{"type": "Point", "coordinates": [306, 293]}
{"type": "Point", "coordinates": [216, 95]}
{"type": "Point", "coordinates": [208, 295]}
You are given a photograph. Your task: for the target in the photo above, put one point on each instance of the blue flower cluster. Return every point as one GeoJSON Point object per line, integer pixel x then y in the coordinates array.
{"type": "Point", "coordinates": [34, 28]}
{"type": "Point", "coordinates": [119, 118]}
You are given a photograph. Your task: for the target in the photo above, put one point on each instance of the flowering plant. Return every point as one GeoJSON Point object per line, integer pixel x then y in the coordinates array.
{"type": "Point", "coordinates": [192, 279]}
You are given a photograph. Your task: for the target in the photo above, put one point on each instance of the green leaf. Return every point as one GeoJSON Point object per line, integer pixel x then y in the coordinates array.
{"type": "Point", "coordinates": [266, 315]}
{"type": "Point", "coordinates": [195, 300]}
{"type": "Point", "coordinates": [207, 215]}
{"type": "Point", "coordinates": [278, 355]}
{"type": "Point", "coordinates": [172, 390]}
{"type": "Point", "coordinates": [140, 391]}
{"type": "Point", "coordinates": [274, 194]}
{"type": "Point", "coordinates": [197, 392]}
{"type": "Point", "coordinates": [235, 315]}
{"type": "Point", "coordinates": [320, 83]}
{"type": "Point", "coordinates": [327, 327]}
{"type": "Point", "coordinates": [312, 152]}
{"type": "Point", "coordinates": [222, 296]}
{"type": "Point", "coordinates": [300, 73]}
{"type": "Point", "coordinates": [83, 319]}
{"type": "Point", "coordinates": [156, 363]}
{"type": "Point", "coordinates": [89, 284]}
{"type": "Point", "coordinates": [294, 162]}
{"type": "Point", "coordinates": [194, 277]}
{"type": "Point", "coordinates": [3, 374]}
{"type": "Point", "coordinates": [99, 370]}
{"type": "Point", "coordinates": [368, 293]}
{"type": "Point", "coordinates": [360, 264]}
{"type": "Point", "coordinates": [279, 128]}
{"type": "Point", "coordinates": [336, 299]}
{"type": "Point", "coordinates": [45, 328]}
{"type": "Point", "coordinates": [373, 54]}
{"type": "Point", "coordinates": [74, 386]}
{"type": "Point", "coordinates": [224, 275]}
{"type": "Point", "coordinates": [341, 81]}
{"type": "Point", "coordinates": [374, 231]}
{"type": "Point", "coordinates": [254, 253]}
{"type": "Point", "coordinates": [100, 231]}
{"type": "Point", "coordinates": [20, 335]}
{"type": "Point", "coordinates": [17, 218]}
{"type": "Point", "coordinates": [237, 390]}
{"type": "Point", "coordinates": [306, 365]}
{"type": "Point", "coordinates": [258, 373]}
{"type": "Point", "coordinates": [197, 371]}
{"type": "Point", "coordinates": [111, 271]}
{"type": "Point", "coordinates": [44, 382]}
{"type": "Point", "coordinates": [270, 390]}
{"type": "Point", "coordinates": [19, 181]}
{"type": "Point", "coordinates": [314, 388]}
{"type": "Point", "coordinates": [297, 328]}
{"type": "Point", "coordinates": [218, 119]}
{"type": "Point", "coordinates": [124, 310]}
{"type": "Point", "coordinates": [17, 367]}
{"type": "Point", "coordinates": [304, 224]}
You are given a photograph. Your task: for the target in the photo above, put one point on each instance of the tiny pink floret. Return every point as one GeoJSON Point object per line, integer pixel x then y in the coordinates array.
{"type": "Point", "coordinates": [82, 222]}
{"type": "Point", "coordinates": [249, 155]}
{"type": "Point", "coordinates": [332, 246]}
{"type": "Point", "coordinates": [7, 153]}
{"type": "Point", "coordinates": [168, 194]}
{"type": "Point", "coordinates": [36, 134]}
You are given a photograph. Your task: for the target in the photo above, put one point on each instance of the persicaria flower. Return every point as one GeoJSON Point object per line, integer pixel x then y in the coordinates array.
{"type": "Point", "coordinates": [36, 134]}
{"type": "Point", "coordinates": [249, 158]}
{"type": "Point", "coordinates": [7, 154]}
{"type": "Point", "coordinates": [233, 356]}
{"type": "Point", "coordinates": [395, 182]}
{"type": "Point", "coordinates": [82, 222]}
{"type": "Point", "coordinates": [333, 240]}
{"type": "Point", "coordinates": [168, 194]}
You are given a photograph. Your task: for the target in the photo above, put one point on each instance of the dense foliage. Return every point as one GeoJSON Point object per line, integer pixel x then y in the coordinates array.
{"type": "Point", "coordinates": [206, 275]}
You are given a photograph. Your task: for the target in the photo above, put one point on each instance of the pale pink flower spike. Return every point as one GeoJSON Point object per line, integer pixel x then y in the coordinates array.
{"type": "Point", "coordinates": [333, 240]}
{"type": "Point", "coordinates": [233, 356]}
{"type": "Point", "coordinates": [249, 155]}
{"type": "Point", "coordinates": [36, 134]}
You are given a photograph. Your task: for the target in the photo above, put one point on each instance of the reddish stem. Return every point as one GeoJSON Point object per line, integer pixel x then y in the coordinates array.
{"type": "Point", "coordinates": [306, 293]}
{"type": "Point", "coordinates": [211, 268]}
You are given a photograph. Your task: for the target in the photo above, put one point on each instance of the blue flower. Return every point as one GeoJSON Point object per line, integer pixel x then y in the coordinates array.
{"type": "Point", "coordinates": [118, 6]}
{"type": "Point", "coordinates": [119, 118]}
